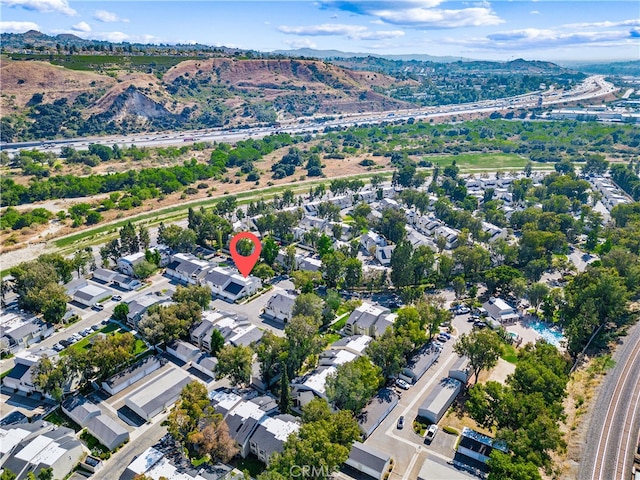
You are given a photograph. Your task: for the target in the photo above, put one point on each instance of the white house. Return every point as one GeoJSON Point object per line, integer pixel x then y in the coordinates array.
{"type": "Point", "coordinates": [90, 294]}
{"type": "Point", "coordinates": [126, 264]}
{"type": "Point", "coordinates": [369, 319]}
{"type": "Point", "coordinates": [187, 268]}
{"type": "Point", "coordinates": [383, 254]}
{"type": "Point", "coordinates": [231, 286]}
{"type": "Point", "coordinates": [280, 307]}
{"type": "Point", "coordinates": [371, 240]}
{"type": "Point", "coordinates": [501, 311]}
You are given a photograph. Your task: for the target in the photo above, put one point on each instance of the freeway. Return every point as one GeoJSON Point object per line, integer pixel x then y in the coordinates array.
{"type": "Point", "coordinates": [592, 87]}
{"type": "Point", "coordinates": [610, 446]}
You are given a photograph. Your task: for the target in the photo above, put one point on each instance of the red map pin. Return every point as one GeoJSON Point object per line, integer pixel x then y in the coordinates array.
{"type": "Point", "coordinates": [245, 263]}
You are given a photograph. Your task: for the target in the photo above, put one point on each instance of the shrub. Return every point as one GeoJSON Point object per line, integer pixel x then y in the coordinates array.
{"type": "Point", "coordinates": [451, 430]}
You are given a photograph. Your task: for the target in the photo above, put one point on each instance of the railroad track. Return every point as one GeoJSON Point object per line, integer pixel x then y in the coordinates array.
{"type": "Point", "coordinates": [614, 458]}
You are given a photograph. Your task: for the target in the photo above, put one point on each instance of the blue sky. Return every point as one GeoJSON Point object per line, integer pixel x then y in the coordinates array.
{"type": "Point", "coordinates": [501, 30]}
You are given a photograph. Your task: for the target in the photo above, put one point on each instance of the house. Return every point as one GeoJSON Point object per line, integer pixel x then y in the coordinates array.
{"type": "Point", "coordinates": [126, 282]}
{"type": "Point", "coordinates": [183, 351]}
{"type": "Point", "coordinates": [383, 254]}
{"type": "Point", "coordinates": [109, 432]}
{"type": "Point", "coordinates": [478, 447]}
{"type": "Point", "coordinates": [18, 331]}
{"type": "Point", "coordinates": [244, 416]}
{"type": "Point", "coordinates": [364, 320]}
{"type": "Point", "coordinates": [501, 311]}
{"type": "Point", "coordinates": [378, 408]}
{"type": "Point", "coordinates": [460, 370]}
{"type": "Point", "coordinates": [234, 328]}
{"type": "Point", "coordinates": [139, 306]}
{"type": "Point", "coordinates": [280, 307]}
{"type": "Point", "coordinates": [309, 263]}
{"type": "Point", "coordinates": [440, 399]}
{"type": "Point", "coordinates": [206, 364]}
{"type": "Point", "coordinates": [32, 447]}
{"type": "Point", "coordinates": [369, 460]}
{"type": "Point", "coordinates": [419, 364]}
{"type": "Point", "coordinates": [187, 268]}
{"type": "Point", "coordinates": [344, 232]}
{"type": "Point", "coordinates": [131, 375]}
{"type": "Point", "coordinates": [229, 285]}
{"type": "Point", "coordinates": [270, 435]}
{"type": "Point", "coordinates": [19, 378]}
{"type": "Point", "coordinates": [493, 231]}
{"type": "Point", "coordinates": [370, 240]}
{"type": "Point", "coordinates": [104, 275]}
{"type": "Point", "coordinates": [312, 385]}
{"type": "Point", "coordinates": [35, 446]}
{"type": "Point", "coordinates": [90, 294]}
{"type": "Point", "coordinates": [127, 263]}
{"type": "Point", "coordinates": [158, 394]}
{"type": "Point", "coordinates": [449, 234]}
{"type": "Point", "coordinates": [389, 203]}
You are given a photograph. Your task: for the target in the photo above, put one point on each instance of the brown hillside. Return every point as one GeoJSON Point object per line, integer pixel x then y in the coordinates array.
{"type": "Point", "coordinates": [23, 79]}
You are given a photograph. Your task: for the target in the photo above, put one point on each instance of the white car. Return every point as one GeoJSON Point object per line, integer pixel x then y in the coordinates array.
{"type": "Point", "coordinates": [402, 384]}
{"type": "Point", "coordinates": [431, 433]}
{"type": "Point", "coordinates": [98, 306]}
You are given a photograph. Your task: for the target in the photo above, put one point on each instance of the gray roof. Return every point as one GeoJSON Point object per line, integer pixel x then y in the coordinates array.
{"type": "Point", "coordinates": [132, 371]}
{"type": "Point", "coordinates": [80, 410]}
{"type": "Point", "coordinates": [28, 328]}
{"type": "Point", "coordinates": [217, 277]}
{"type": "Point", "coordinates": [369, 456]}
{"type": "Point", "coordinates": [169, 393]}
{"type": "Point", "coordinates": [240, 429]}
{"type": "Point", "coordinates": [267, 440]}
{"type": "Point", "coordinates": [202, 328]}
{"type": "Point", "coordinates": [377, 410]}
{"type": "Point", "coordinates": [282, 302]}
{"type": "Point", "coordinates": [421, 362]}
{"type": "Point", "coordinates": [253, 335]}
{"type": "Point", "coordinates": [107, 431]}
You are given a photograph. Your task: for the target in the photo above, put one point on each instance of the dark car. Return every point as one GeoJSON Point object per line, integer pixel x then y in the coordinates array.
{"type": "Point", "coordinates": [401, 423]}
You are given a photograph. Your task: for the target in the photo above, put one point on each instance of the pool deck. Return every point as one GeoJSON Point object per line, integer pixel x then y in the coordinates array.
{"type": "Point", "coordinates": [522, 328]}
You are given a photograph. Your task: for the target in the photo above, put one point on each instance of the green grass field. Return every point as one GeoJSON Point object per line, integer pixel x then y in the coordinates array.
{"type": "Point", "coordinates": [485, 161]}
{"type": "Point", "coordinates": [111, 328]}
{"type": "Point", "coordinates": [509, 353]}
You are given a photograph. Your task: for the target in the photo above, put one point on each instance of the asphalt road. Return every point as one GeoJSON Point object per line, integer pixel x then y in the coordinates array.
{"type": "Point", "coordinates": [592, 87]}
{"type": "Point", "coordinates": [610, 444]}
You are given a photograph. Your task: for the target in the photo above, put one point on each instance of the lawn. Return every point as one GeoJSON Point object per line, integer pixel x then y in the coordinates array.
{"type": "Point", "coordinates": [110, 328]}
{"type": "Point", "coordinates": [252, 464]}
{"type": "Point", "coordinates": [58, 418]}
{"type": "Point", "coordinates": [509, 353]}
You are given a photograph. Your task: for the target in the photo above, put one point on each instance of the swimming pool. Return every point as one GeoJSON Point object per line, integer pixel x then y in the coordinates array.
{"type": "Point", "coordinates": [551, 335]}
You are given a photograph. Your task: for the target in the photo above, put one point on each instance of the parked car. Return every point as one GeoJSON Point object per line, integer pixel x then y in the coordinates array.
{"type": "Point", "coordinates": [86, 332]}
{"type": "Point", "coordinates": [98, 306]}
{"type": "Point", "coordinates": [70, 341]}
{"type": "Point", "coordinates": [401, 423]}
{"type": "Point", "coordinates": [95, 328]}
{"type": "Point", "coordinates": [462, 310]}
{"type": "Point", "coordinates": [57, 347]}
{"type": "Point", "coordinates": [479, 324]}
{"type": "Point", "coordinates": [116, 298]}
{"type": "Point", "coordinates": [65, 343]}
{"type": "Point", "coordinates": [76, 337]}
{"type": "Point", "coordinates": [442, 338]}
{"type": "Point", "coordinates": [431, 433]}
{"type": "Point", "coordinates": [402, 384]}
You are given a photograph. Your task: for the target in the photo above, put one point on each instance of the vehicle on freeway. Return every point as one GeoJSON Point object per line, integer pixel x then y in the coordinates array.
{"type": "Point", "coordinates": [431, 433]}
{"type": "Point", "coordinates": [98, 306]}
{"type": "Point", "coordinates": [402, 384]}
{"type": "Point", "coordinates": [116, 298]}
{"type": "Point", "coordinates": [401, 422]}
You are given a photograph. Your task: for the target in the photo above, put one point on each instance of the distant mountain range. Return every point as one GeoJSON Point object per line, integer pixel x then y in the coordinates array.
{"type": "Point", "coordinates": [324, 54]}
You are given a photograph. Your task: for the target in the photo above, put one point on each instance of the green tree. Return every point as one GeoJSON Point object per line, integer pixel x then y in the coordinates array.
{"type": "Point", "coordinates": [352, 273]}
{"type": "Point", "coordinates": [7, 475]}
{"type": "Point", "coordinates": [302, 341]}
{"type": "Point", "coordinates": [354, 384]}
{"type": "Point", "coordinates": [235, 363]}
{"type": "Point", "coordinates": [144, 269]}
{"type": "Point", "coordinates": [185, 417]}
{"type": "Point", "coordinates": [271, 352]}
{"type": "Point", "coordinates": [308, 305]}
{"type": "Point", "coordinates": [217, 342]}
{"type": "Point", "coordinates": [402, 271]}
{"type": "Point", "coordinates": [200, 295]}
{"type": "Point", "coordinates": [388, 352]}
{"type": "Point", "coordinates": [143, 237]}
{"type": "Point", "coordinates": [536, 293]}
{"type": "Point", "coordinates": [502, 466]}
{"type": "Point", "coordinates": [129, 242]}
{"type": "Point", "coordinates": [392, 224]}
{"type": "Point", "coordinates": [324, 245]}
{"type": "Point", "coordinates": [285, 393]}
{"type": "Point", "coordinates": [54, 302]}
{"type": "Point", "coordinates": [120, 312]}
{"type": "Point", "coordinates": [333, 268]}
{"type": "Point", "coordinates": [482, 347]}
{"type": "Point", "coordinates": [269, 251]}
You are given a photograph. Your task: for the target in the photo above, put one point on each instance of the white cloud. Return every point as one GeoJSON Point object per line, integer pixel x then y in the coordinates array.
{"type": "Point", "coordinates": [534, 12]}
{"type": "Point", "coordinates": [45, 6]}
{"type": "Point", "coordinates": [18, 27]}
{"type": "Point", "coordinates": [421, 13]}
{"type": "Point", "coordinates": [115, 37]}
{"type": "Point", "coordinates": [354, 32]}
{"type": "Point", "coordinates": [324, 29]}
{"type": "Point", "coordinates": [542, 39]}
{"type": "Point", "coordinates": [635, 22]}
{"type": "Point", "coordinates": [300, 43]}
{"type": "Point", "coordinates": [81, 27]}
{"type": "Point", "coordinates": [108, 17]}
{"type": "Point", "coordinates": [439, 18]}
